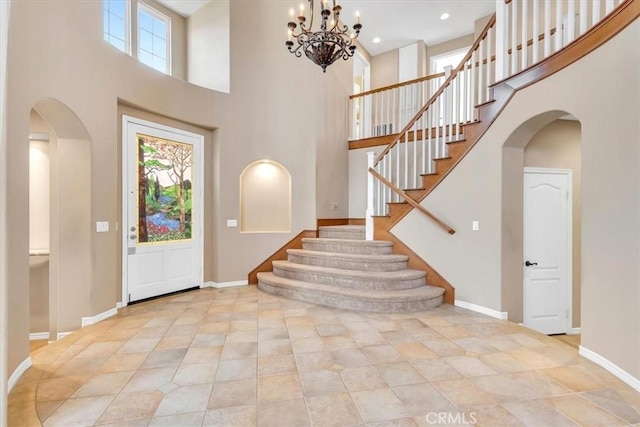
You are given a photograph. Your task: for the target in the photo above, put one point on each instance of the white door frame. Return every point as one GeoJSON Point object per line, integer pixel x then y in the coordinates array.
{"type": "Point", "coordinates": [198, 171]}
{"type": "Point", "coordinates": [569, 254]}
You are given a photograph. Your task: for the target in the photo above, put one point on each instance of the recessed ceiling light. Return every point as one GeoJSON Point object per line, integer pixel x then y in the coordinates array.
{"type": "Point", "coordinates": [376, 39]}
{"type": "Point", "coordinates": [444, 16]}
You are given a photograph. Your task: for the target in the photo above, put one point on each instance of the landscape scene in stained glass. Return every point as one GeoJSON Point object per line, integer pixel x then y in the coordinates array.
{"type": "Point", "coordinates": [165, 170]}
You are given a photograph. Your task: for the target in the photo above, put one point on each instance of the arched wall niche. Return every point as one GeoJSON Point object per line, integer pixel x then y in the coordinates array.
{"type": "Point", "coordinates": [70, 223]}
{"type": "Point", "coordinates": [265, 198]}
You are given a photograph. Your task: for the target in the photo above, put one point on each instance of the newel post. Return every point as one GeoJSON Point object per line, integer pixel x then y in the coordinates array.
{"type": "Point", "coordinates": [368, 233]}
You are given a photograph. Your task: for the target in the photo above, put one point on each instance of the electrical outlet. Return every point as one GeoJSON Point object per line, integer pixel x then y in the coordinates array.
{"type": "Point", "coordinates": [475, 225]}
{"type": "Point", "coordinates": [232, 223]}
{"type": "Point", "coordinates": [334, 206]}
{"type": "Point", "coordinates": [102, 226]}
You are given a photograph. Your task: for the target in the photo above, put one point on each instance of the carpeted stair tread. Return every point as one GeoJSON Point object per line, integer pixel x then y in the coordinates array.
{"type": "Point", "coordinates": [403, 301]}
{"type": "Point", "coordinates": [349, 261]}
{"type": "Point", "coordinates": [355, 279]}
{"type": "Point", "coordinates": [347, 245]}
{"type": "Point", "coordinates": [341, 228]}
{"type": "Point", "coordinates": [352, 232]}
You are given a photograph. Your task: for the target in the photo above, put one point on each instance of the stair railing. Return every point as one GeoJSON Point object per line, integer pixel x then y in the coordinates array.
{"type": "Point", "coordinates": [520, 34]}
{"type": "Point", "coordinates": [385, 110]}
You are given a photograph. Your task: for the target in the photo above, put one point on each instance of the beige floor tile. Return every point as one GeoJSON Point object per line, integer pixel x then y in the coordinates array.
{"type": "Point", "coordinates": [132, 406]}
{"type": "Point", "coordinates": [369, 338]}
{"type": "Point", "coordinates": [164, 358]}
{"type": "Point", "coordinates": [538, 413]}
{"type": "Point", "coordinates": [149, 379]}
{"type": "Point", "coordinates": [283, 413]}
{"type": "Point", "coordinates": [57, 389]}
{"type": "Point", "coordinates": [182, 331]}
{"type": "Point", "coordinates": [338, 342]}
{"type": "Point", "coordinates": [85, 411]}
{"type": "Point", "coordinates": [104, 384]}
{"type": "Point", "coordinates": [201, 373]}
{"type": "Point", "coordinates": [574, 378]}
{"type": "Point", "coordinates": [436, 370]}
{"type": "Point", "coordinates": [613, 402]}
{"type": "Point", "coordinates": [378, 354]}
{"type": "Point", "coordinates": [296, 332]}
{"type": "Point", "coordinates": [266, 334]}
{"type": "Point", "coordinates": [493, 416]}
{"type": "Point", "coordinates": [503, 343]}
{"type": "Point", "coordinates": [443, 347]}
{"type": "Point", "coordinates": [196, 355]}
{"type": "Point", "coordinates": [469, 366]}
{"type": "Point", "coordinates": [362, 378]}
{"type": "Point", "coordinates": [331, 330]}
{"type": "Point", "coordinates": [319, 383]}
{"type": "Point", "coordinates": [101, 349]}
{"type": "Point", "coordinates": [526, 340]}
{"type": "Point", "coordinates": [83, 367]}
{"type": "Point", "coordinates": [502, 362]}
{"type": "Point", "coordinates": [234, 393]}
{"type": "Point", "coordinates": [279, 387]}
{"type": "Point", "coordinates": [237, 369]}
{"type": "Point", "coordinates": [240, 350]}
{"type": "Point", "coordinates": [271, 323]}
{"type": "Point", "coordinates": [151, 332]}
{"type": "Point", "coordinates": [140, 345]}
{"type": "Point", "coordinates": [415, 351]}
{"type": "Point", "coordinates": [316, 361]}
{"type": "Point", "coordinates": [420, 399]}
{"type": "Point", "coordinates": [402, 422]}
{"type": "Point", "coordinates": [274, 347]}
{"type": "Point", "coordinates": [335, 410]}
{"type": "Point", "coordinates": [44, 409]}
{"type": "Point", "coordinates": [453, 332]}
{"type": "Point", "coordinates": [538, 384]}
{"type": "Point", "coordinates": [273, 365]}
{"type": "Point", "coordinates": [213, 328]}
{"type": "Point", "coordinates": [400, 373]}
{"type": "Point", "coordinates": [532, 360]}
{"type": "Point", "coordinates": [463, 393]}
{"type": "Point", "coordinates": [186, 399]}
{"type": "Point", "coordinates": [193, 419]}
{"type": "Point", "coordinates": [583, 412]}
{"type": "Point", "coordinates": [475, 345]}
{"type": "Point", "coordinates": [502, 387]}
{"type": "Point", "coordinates": [123, 362]}
{"type": "Point", "coordinates": [307, 345]}
{"type": "Point", "coordinates": [237, 416]}
{"type": "Point", "coordinates": [378, 405]}
{"type": "Point", "coordinates": [350, 357]}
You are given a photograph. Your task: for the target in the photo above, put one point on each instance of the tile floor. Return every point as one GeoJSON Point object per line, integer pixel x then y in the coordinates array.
{"type": "Point", "coordinates": [240, 357]}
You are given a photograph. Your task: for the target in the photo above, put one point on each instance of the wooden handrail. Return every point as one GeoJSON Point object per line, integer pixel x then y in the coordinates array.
{"type": "Point", "coordinates": [440, 90]}
{"type": "Point", "coordinates": [412, 202]}
{"type": "Point", "coordinates": [397, 85]}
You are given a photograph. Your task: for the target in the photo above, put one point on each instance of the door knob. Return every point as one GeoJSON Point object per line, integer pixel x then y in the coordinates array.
{"type": "Point", "coordinates": [133, 237]}
{"type": "Point", "coordinates": [529, 263]}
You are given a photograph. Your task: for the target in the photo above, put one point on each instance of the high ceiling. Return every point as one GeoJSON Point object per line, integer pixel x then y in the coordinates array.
{"type": "Point", "coordinates": [397, 23]}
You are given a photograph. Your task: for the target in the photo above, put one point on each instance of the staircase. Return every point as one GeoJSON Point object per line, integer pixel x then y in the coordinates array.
{"type": "Point", "coordinates": [341, 269]}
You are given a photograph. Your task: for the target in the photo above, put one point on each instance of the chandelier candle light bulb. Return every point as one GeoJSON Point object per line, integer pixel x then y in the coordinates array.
{"type": "Point", "coordinates": [324, 45]}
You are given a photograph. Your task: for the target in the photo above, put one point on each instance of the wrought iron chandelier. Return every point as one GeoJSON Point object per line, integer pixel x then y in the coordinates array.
{"type": "Point", "coordinates": [331, 42]}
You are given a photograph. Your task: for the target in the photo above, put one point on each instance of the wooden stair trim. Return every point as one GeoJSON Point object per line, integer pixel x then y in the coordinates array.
{"type": "Point", "coordinates": [377, 141]}
{"type": "Point", "coordinates": [280, 254]}
{"type": "Point", "coordinates": [397, 85]}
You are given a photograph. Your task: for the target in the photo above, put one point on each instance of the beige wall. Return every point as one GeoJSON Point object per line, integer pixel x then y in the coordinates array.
{"type": "Point", "coordinates": [265, 198]}
{"type": "Point", "coordinates": [208, 46]}
{"type": "Point", "coordinates": [482, 265]}
{"type": "Point", "coordinates": [557, 145]}
{"type": "Point", "coordinates": [292, 119]}
{"type": "Point", "coordinates": [384, 69]}
{"type": "Point", "coordinates": [448, 46]}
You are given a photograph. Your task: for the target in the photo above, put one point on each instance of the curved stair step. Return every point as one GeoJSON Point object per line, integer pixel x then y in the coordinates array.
{"type": "Point", "coordinates": [354, 279]}
{"type": "Point", "coordinates": [404, 301]}
{"type": "Point", "coordinates": [353, 232]}
{"type": "Point", "coordinates": [348, 246]}
{"type": "Point", "coordinates": [390, 262]}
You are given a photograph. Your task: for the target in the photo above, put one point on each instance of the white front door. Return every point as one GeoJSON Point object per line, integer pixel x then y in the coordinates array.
{"type": "Point", "coordinates": [547, 250]}
{"type": "Point", "coordinates": [162, 210]}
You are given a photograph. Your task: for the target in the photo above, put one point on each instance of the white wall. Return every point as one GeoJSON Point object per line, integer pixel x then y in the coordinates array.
{"type": "Point", "coordinates": [39, 196]}
{"type": "Point", "coordinates": [473, 262]}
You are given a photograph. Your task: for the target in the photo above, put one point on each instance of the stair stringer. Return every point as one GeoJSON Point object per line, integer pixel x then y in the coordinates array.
{"type": "Point", "coordinates": [501, 94]}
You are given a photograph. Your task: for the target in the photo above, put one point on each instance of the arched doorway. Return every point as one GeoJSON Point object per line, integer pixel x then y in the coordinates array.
{"type": "Point", "coordinates": [549, 142]}
{"type": "Point", "coordinates": [60, 227]}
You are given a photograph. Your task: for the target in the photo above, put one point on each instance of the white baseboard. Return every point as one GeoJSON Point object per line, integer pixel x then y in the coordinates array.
{"type": "Point", "coordinates": [502, 315]}
{"type": "Point", "coordinates": [87, 321]}
{"type": "Point", "coordinates": [21, 369]}
{"type": "Point", "coordinates": [609, 366]}
{"type": "Point", "coordinates": [38, 336]}
{"type": "Point", "coordinates": [573, 331]}
{"type": "Point", "coordinates": [225, 284]}
{"type": "Point", "coordinates": [119, 305]}
{"type": "Point", "coordinates": [63, 334]}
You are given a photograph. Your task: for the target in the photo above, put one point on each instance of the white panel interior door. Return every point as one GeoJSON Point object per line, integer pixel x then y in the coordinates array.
{"type": "Point", "coordinates": [162, 210]}
{"type": "Point", "coordinates": [547, 244]}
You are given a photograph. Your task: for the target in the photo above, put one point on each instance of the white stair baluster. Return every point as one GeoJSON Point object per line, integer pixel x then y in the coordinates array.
{"type": "Point", "coordinates": [535, 31]}
{"type": "Point", "coordinates": [547, 28]}
{"type": "Point", "coordinates": [571, 21]}
{"type": "Point", "coordinates": [371, 158]}
{"type": "Point", "coordinates": [583, 16]}
{"type": "Point", "coordinates": [525, 36]}
{"type": "Point", "coordinates": [514, 38]}
{"type": "Point", "coordinates": [558, 38]}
